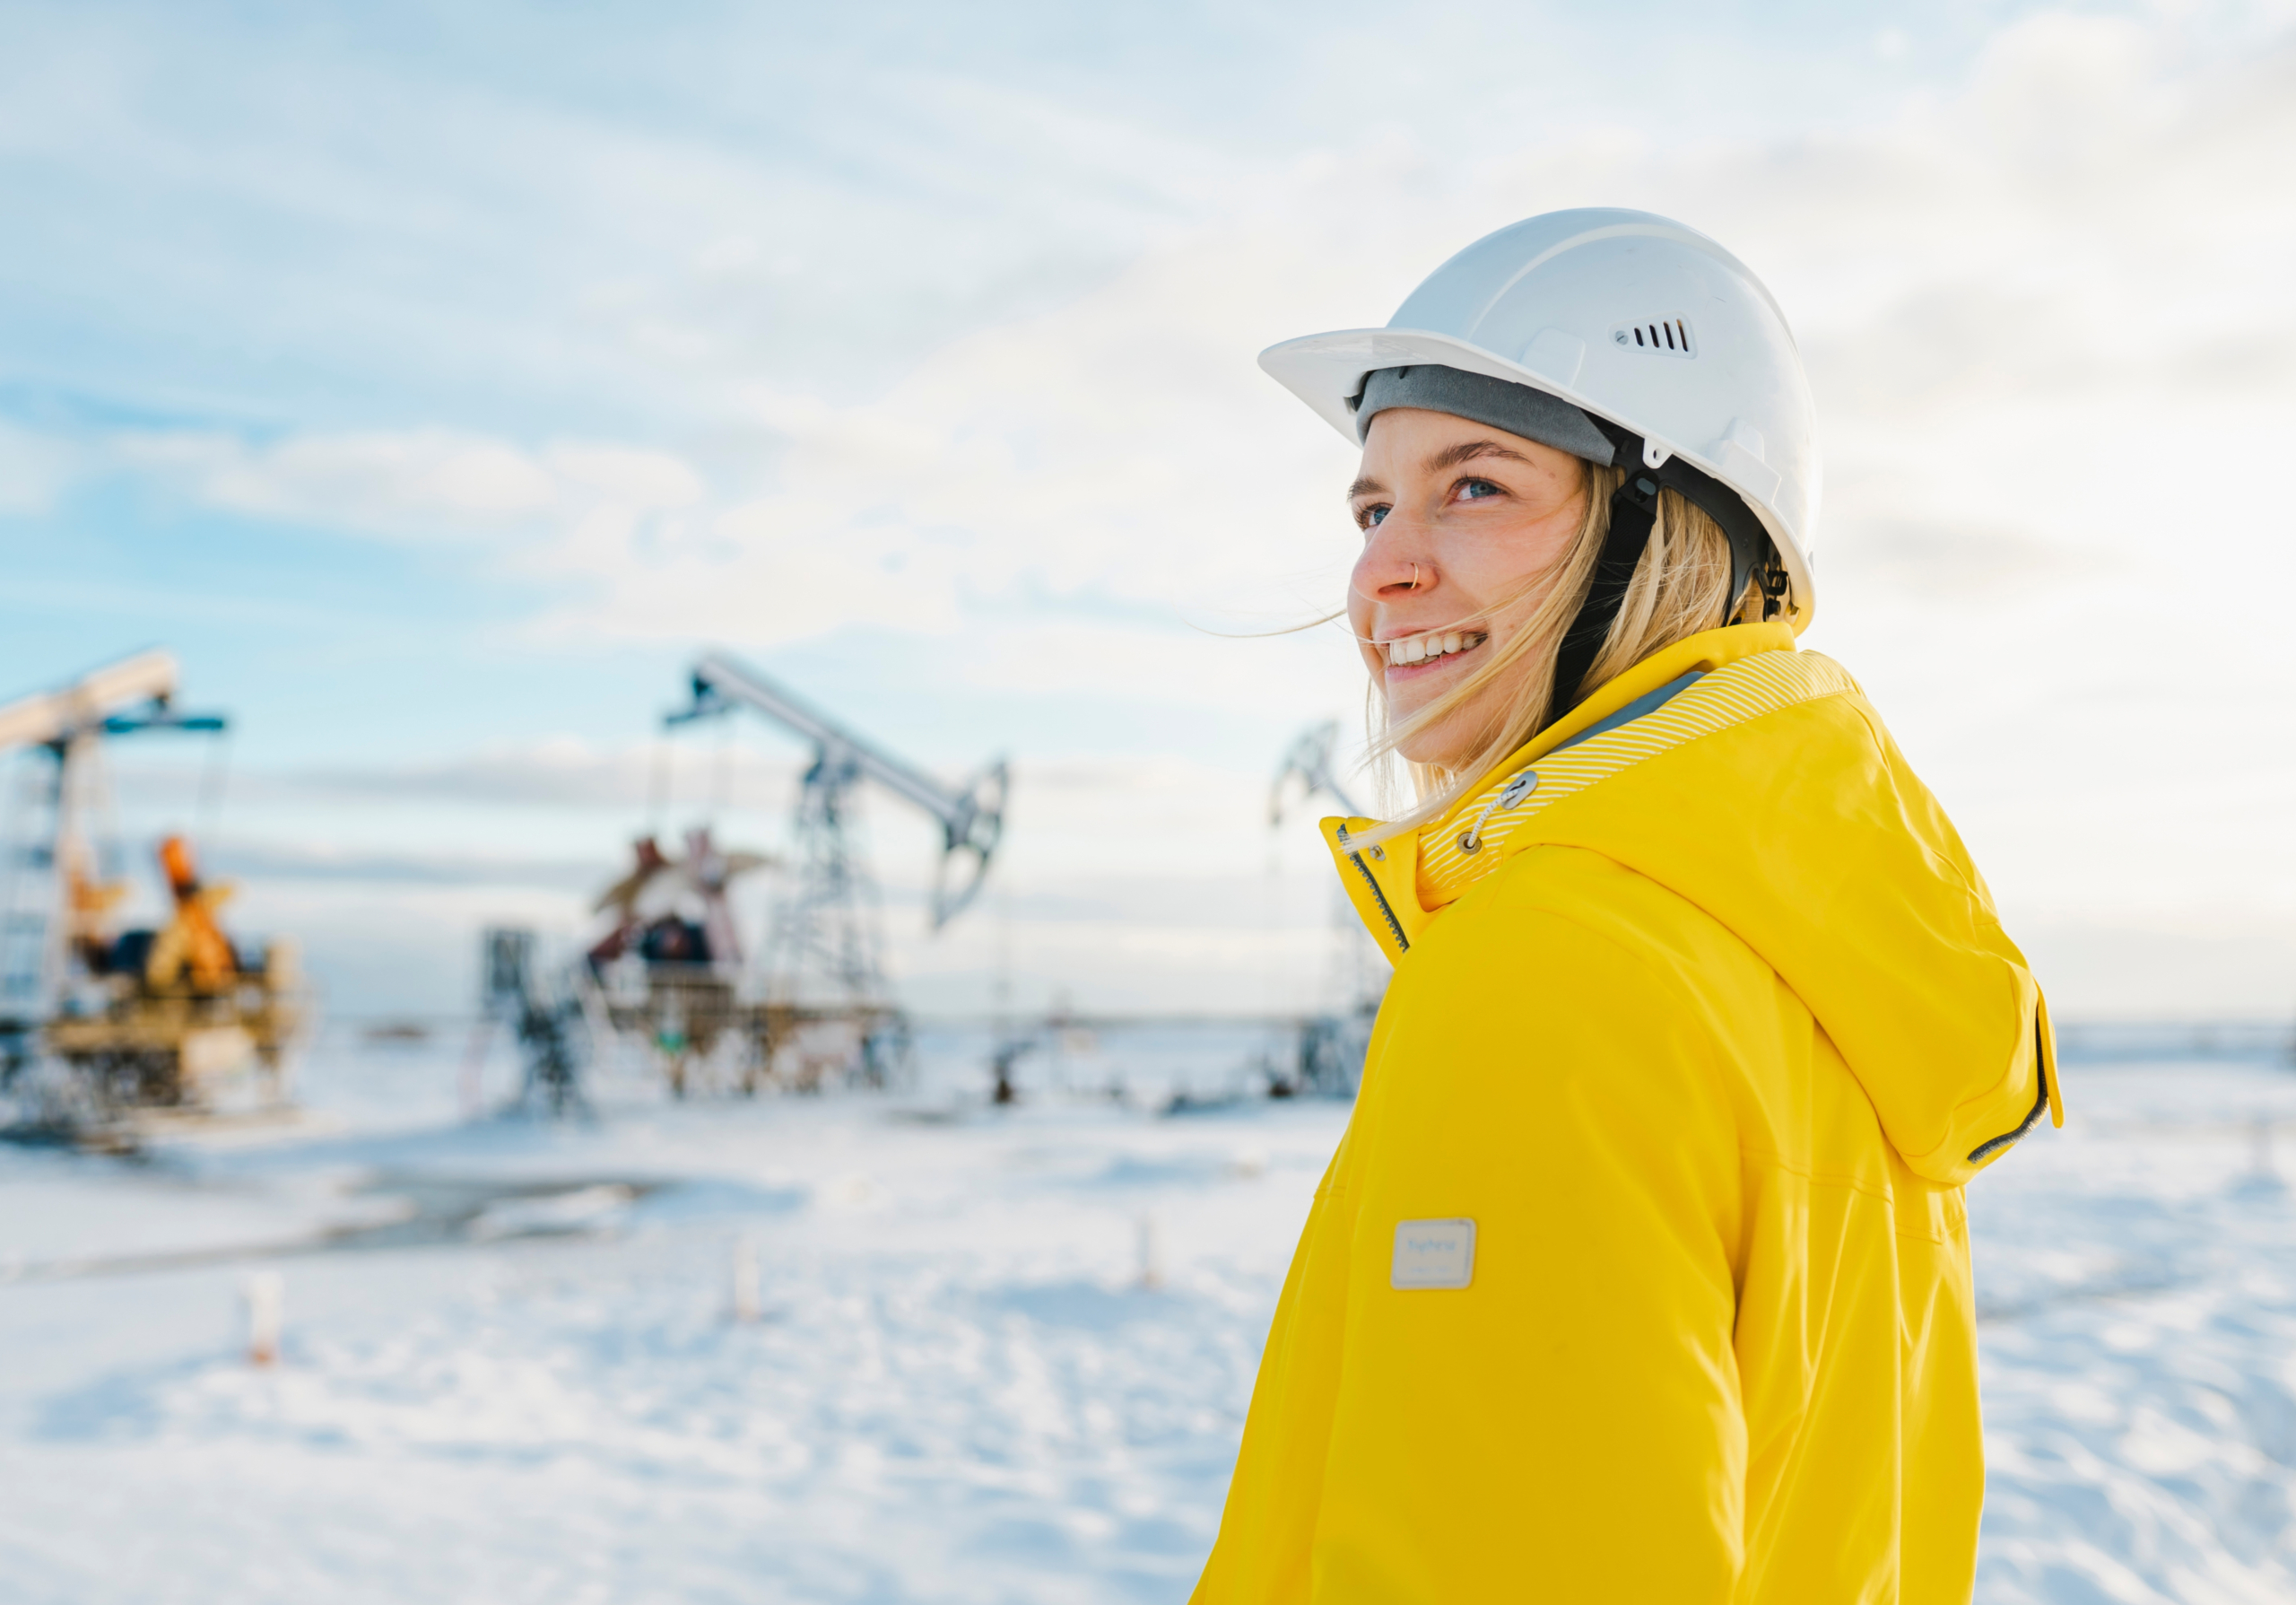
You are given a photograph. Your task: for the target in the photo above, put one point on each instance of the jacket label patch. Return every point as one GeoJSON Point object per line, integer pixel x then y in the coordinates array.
{"type": "Point", "coordinates": [1433, 1253]}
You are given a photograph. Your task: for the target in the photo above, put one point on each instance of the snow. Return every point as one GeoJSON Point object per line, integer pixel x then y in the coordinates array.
{"type": "Point", "coordinates": [2137, 1278]}
{"type": "Point", "coordinates": [1000, 1355]}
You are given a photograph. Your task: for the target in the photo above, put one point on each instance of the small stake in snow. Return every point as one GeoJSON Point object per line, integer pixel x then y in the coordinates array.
{"type": "Point", "coordinates": [749, 1304]}
{"type": "Point", "coordinates": [1151, 1253]}
{"type": "Point", "coordinates": [266, 1295]}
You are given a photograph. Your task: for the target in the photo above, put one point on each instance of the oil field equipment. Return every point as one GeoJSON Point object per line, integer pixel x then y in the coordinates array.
{"type": "Point", "coordinates": [1308, 761]}
{"type": "Point", "coordinates": [547, 1021]}
{"type": "Point", "coordinates": [827, 1002]}
{"type": "Point", "coordinates": [166, 1016]}
{"type": "Point", "coordinates": [670, 965]}
{"type": "Point", "coordinates": [1333, 1041]}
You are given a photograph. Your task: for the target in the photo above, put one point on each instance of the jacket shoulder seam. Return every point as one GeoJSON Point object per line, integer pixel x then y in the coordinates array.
{"type": "Point", "coordinates": [1824, 1178]}
{"type": "Point", "coordinates": [1820, 1178]}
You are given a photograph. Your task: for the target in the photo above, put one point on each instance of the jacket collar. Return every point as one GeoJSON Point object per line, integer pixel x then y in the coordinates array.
{"type": "Point", "coordinates": [1399, 887]}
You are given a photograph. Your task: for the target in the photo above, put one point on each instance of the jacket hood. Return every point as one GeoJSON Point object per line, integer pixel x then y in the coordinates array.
{"type": "Point", "coordinates": [1756, 781]}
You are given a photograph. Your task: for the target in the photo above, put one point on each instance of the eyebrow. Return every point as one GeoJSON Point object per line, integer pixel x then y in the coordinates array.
{"type": "Point", "coordinates": [1450, 457]}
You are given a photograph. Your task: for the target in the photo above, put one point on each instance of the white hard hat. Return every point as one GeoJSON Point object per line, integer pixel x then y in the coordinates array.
{"type": "Point", "coordinates": [1631, 317]}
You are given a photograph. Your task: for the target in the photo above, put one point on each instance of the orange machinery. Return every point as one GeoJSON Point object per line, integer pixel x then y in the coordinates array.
{"type": "Point", "coordinates": [171, 1017]}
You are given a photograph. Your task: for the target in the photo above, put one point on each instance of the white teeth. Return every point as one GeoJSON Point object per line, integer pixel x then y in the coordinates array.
{"type": "Point", "coordinates": [1420, 649]}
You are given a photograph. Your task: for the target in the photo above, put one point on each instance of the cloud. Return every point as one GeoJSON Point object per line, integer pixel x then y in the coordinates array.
{"type": "Point", "coordinates": [426, 484]}
{"type": "Point", "coordinates": [430, 483]}
{"type": "Point", "coordinates": [1960, 560]}
{"type": "Point", "coordinates": [554, 774]}
{"type": "Point", "coordinates": [2045, 307]}
{"type": "Point", "coordinates": [2234, 963]}
{"type": "Point", "coordinates": [34, 469]}
{"type": "Point", "coordinates": [272, 863]}
{"type": "Point", "coordinates": [2068, 242]}
{"type": "Point", "coordinates": [1097, 451]}
{"type": "Point", "coordinates": [2002, 296]}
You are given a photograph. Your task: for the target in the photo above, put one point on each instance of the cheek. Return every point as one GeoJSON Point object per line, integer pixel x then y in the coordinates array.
{"type": "Point", "coordinates": [1508, 563]}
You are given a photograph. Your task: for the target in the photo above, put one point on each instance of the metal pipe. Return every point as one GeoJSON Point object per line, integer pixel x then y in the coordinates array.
{"type": "Point", "coordinates": [46, 716]}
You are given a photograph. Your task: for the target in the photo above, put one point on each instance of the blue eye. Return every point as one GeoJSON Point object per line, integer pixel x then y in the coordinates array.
{"type": "Point", "coordinates": [1477, 489]}
{"type": "Point", "coordinates": [1375, 515]}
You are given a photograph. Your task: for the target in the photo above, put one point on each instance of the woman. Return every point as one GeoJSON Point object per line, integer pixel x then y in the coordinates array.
{"type": "Point", "coordinates": [1641, 1274]}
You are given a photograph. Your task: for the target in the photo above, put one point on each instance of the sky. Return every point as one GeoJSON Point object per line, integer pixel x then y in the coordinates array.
{"type": "Point", "coordinates": [438, 381]}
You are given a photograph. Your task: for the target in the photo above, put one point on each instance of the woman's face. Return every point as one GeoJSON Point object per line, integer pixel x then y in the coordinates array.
{"type": "Point", "coordinates": [1457, 518]}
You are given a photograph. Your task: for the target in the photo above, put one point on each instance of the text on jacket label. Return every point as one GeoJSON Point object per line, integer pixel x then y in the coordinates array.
{"type": "Point", "coordinates": [1433, 1253]}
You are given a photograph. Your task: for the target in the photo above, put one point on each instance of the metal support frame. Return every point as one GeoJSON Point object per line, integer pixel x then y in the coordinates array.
{"type": "Point", "coordinates": [1331, 1045]}
{"type": "Point", "coordinates": [825, 947]}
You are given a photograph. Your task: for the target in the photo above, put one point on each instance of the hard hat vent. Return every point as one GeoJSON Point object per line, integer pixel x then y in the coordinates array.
{"type": "Point", "coordinates": [1667, 336]}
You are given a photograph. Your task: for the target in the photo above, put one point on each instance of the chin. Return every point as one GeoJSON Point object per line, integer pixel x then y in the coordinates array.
{"type": "Point", "coordinates": [1431, 748]}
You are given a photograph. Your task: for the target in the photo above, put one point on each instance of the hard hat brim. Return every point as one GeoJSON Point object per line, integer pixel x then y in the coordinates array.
{"type": "Point", "coordinates": [1327, 372]}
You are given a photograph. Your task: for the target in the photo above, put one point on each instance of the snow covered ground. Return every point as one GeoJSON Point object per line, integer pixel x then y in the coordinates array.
{"type": "Point", "coordinates": [2136, 1277]}
{"type": "Point", "coordinates": [1002, 1355]}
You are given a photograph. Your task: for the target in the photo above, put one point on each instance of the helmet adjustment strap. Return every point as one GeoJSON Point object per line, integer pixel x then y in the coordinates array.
{"type": "Point", "coordinates": [1634, 513]}
{"type": "Point", "coordinates": [1634, 510]}
{"type": "Point", "coordinates": [1776, 586]}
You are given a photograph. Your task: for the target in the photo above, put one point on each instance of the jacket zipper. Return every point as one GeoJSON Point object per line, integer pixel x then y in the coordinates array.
{"type": "Point", "coordinates": [2041, 1074]}
{"type": "Point", "coordinates": [1394, 930]}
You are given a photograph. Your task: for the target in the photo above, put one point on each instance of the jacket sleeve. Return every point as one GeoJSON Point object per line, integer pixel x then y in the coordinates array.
{"type": "Point", "coordinates": [1568, 1425]}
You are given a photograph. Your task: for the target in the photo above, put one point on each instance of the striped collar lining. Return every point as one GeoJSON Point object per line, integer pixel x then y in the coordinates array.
{"type": "Point", "coordinates": [1648, 702]}
{"type": "Point", "coordinates": [1674, 715]}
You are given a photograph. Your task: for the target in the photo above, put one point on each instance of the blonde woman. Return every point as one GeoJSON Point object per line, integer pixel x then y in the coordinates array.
{"type": "Point", "coordinates": [1641, 1274]}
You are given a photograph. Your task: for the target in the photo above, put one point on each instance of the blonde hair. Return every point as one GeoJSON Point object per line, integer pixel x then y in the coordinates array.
{"type": "Point", "coordinates": [1680, 587]}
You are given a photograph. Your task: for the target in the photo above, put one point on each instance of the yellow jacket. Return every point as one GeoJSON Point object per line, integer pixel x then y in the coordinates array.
{"type": "Point", "coordinates": [1641, 1275]}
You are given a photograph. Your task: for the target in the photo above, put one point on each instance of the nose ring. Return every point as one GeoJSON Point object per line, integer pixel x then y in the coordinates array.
{"type": "Point", "coordinates": [1414, 578]}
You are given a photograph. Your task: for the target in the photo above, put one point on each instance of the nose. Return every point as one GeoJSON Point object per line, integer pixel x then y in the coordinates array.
{"type": "Point", "coordinates": [1396, 563]}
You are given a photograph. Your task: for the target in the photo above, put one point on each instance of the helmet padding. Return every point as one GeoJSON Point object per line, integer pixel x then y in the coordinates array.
{"type": "Point", "coordinates": [1519, 409]}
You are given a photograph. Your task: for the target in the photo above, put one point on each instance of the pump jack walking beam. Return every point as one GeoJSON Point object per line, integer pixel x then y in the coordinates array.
{"type": "Point", "coordinates": [972, 820]}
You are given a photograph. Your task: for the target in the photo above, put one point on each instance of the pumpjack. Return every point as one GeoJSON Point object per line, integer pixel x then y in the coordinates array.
{"type": "Point", "coordinates": [827, 1009]}
{"type": "Point", "coordinates": [1332, 1041]}
{"type": "Point", "coordinates": [169, 1017]}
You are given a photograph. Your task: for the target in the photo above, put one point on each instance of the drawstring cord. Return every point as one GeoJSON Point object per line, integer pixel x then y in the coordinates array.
{"type": "Point", "coordinates": [1515, 790]}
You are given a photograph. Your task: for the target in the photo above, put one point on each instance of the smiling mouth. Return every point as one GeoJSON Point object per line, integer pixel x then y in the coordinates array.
{"type": "Point", "coordinates": [1434, 646]}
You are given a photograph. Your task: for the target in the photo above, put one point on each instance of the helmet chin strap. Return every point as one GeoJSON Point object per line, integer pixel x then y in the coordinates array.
{"type": "Point", "coordinates": [1634, 511]}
